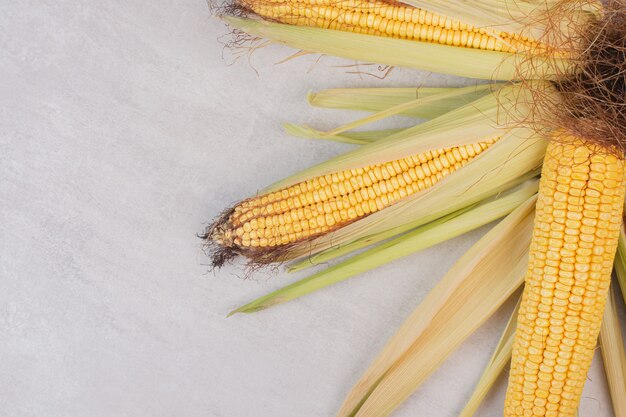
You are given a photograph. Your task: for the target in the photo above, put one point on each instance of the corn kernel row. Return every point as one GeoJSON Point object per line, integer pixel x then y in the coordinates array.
{"type": "Point", "coordinates": [321, 204]}
{"type": "Point", "coordinates": [579, 213]}
{"type": "Point", "coordinates": [387, 19]}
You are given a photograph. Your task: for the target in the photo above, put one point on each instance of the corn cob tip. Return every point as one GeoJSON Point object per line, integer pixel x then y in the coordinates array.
{"type": "Point", "coordinates": [228, 237]}
{"type": "Point", "coordinates": [214, 237]}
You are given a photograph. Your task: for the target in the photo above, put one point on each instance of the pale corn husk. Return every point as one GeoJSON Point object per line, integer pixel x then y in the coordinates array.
{"type": "Point", "coordinates": [440, 100]}
{"type": "Point", "coordinates": [418, 103]}
{"type": "Point", "coordinates": [393, 98]}
{"type": "Point", "coordinates": [620, 262]}
{"type": "Point", "coordinates": [424, 103]}
{"type": "Point", "coordinates": [352, 138]}
{"type": "Point", "coordinates": [612, 346]}
{"type": "Point", "coordinates": [490, 173]}
{"type": "Point", "coordinates": [498, 361]}
{"type": "Point", "coordinates": [477, 63]}
{"type": "Point", "coordinates": [469, 293]}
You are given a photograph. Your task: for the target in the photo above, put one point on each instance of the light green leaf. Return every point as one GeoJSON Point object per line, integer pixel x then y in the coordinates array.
{"type": "Point", "coordinates": [421, 102]}
{"type": "Point", "coordinates": [500, 358]}
{"type": "Point", "coordinates": [431, 234]}
{"type": "Point", "coordinates": [465, 62]}
{"type": "Point", "coordinates": [353, 138]}
{"type": "Point", "coordinates": [378, 99]}
{"type": "Point", "coordinates": [620, 262]}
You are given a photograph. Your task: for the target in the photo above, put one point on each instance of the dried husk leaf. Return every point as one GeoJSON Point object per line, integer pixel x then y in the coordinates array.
{"type": "Point", "coordinates": [612, 346]}
{"type": "Point", "coordinates": [467, 296]}
{"type": "Point", "coordinates": [498, 361]}
{"type": "Point", "coordinates": [378, 99]}
{"type": "Point", "coordinates": [524, 17]}
{"type": "Point", "coordinates": [352, 138]}
{"type": "Point", "coordinates": [620, 262]}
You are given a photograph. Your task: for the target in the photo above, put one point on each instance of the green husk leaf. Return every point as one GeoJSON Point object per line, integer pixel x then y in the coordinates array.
{"type": "Point", "coordinates": [612, 346]}
{"type": "Point", "coordinates": [620, 262]}
{"type": "Point", "coordinates": [465, 62]}
{"type": "Point", "coordinates": [397, 109]}
{"type": "Point", "coordinates": [466, 297]}
{"type": "Point", "coordinates": [485, 118]}
{"type": "Point", "coordinates": [352, 138]}
{"type": "Point", "coordinates": [416, 102]}
{"type": "Point", "coordinates": [426, 236]}
{"type": "Point", "coordinates": [500, 358]}
{"type": "Point", "coordinates": [443, 229]}
{"type": "Point", "coordinates": [378, 99]}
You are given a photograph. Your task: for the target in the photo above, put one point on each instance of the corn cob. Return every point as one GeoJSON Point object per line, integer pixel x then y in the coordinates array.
{"type": "Point", "coordinates": [389, 19]}
{"type": "Point", "coordinates": [322, 204]}
{"type": "Point", "coordinates": [577, 224]}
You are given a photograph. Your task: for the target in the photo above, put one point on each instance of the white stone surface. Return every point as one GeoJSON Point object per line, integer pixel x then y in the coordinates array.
{"type": "Point", "coordinates": [123, 131]}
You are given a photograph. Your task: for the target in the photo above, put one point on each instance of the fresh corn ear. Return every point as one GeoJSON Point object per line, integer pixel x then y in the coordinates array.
{"type": "Point", "coordinates": [577, 227]}
{"type": "Point", "coordinates": [417, 36]}
{"type": "Point", "coordinates": [390, 19]}
{"type": "Point", "coordinates": [389, 186]}
{"type": "Point", "coordinates": [325, 203]}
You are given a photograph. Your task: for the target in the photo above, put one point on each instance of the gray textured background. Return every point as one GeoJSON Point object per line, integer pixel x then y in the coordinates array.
{"type": "Point", "coordinates": [123, 131]}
